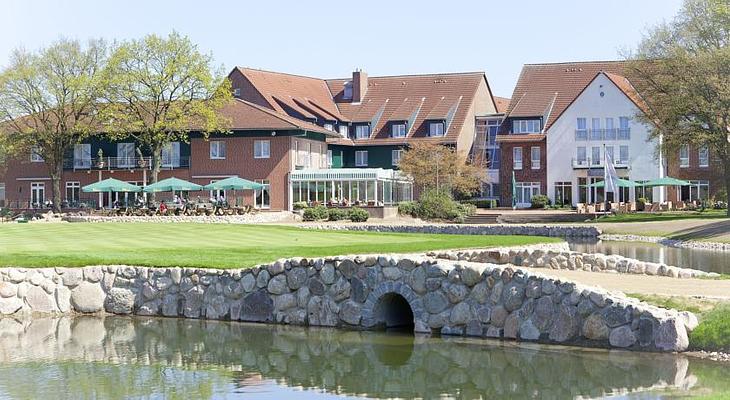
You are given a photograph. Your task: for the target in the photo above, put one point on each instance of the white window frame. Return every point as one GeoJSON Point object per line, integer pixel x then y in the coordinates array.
{"type": "Point", "coordinates": [535, 162]}
{"type": "Point", "coordinates": [171, 155]}
{"type": "Point", "coordinates": [517, 161]}
{"type": "Point", "coordinates": [581, 128]}
{"type": "Point", "coordinates": [396, 156]}
{"type": "Point", "coordinates": [623, 150]}
{"type": "Point", "coordinates": [398, 130]}
{"type": "Point", "coordinates": [624, 128]}
{"type": "Point", "coordinates": [329, 127]}
{"type": "Point", "coordinates": [267, 189]}
{"type": "Point", "coordinates": [684, 156]}
{"type": "Point", "coordinates": [578, 158]}
{"type": "Point", "coordinates": [362, 131]}
{"type": "Point", "coordinates": [262, 149]}
{"type": "Point", "coordinates": [611, 153]}
{"type": "Point", "coordinates": [82, 155]}
{"type": "Point", "coordinates": [361, 158]}
{"type": "Point", "coordinates": [73, 185]}
{"type": "Point", "coordinates": [39, 187]}
{"type": "Point", "coordinates": [703, 155]}
{"type": "Point", "coordinates": [344, 130]}
{"type": "Point", "coordinates": [125, 155]}
{"type": "Point", "coordinates": [329, 158]}
{"type": "Point", "coordinates": [35, 154]}
{"type": "Point", "coordinates": [596, 156]}
{"type": "Point", "coordinates": [2, 192]}
{"type": "Point", "coordinates": [436, 129]}
{"type": "Point", "coordinates": [217, 150]}
{"type": "Point", "coordinates": [526, 126]}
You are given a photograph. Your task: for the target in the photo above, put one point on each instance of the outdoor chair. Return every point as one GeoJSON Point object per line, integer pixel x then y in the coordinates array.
{"type": "Point", "coordinates": [580, 208]}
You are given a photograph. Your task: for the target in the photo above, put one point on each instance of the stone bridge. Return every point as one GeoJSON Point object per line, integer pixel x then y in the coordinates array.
{"type": "Point", "coordinates": [418, 292]}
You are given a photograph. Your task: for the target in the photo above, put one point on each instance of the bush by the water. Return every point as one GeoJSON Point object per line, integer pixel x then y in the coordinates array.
{"type": "Point", "coordinates": [490, 203]}
{"type": "Point", "coordinates": [540, 201]}
{"type": "Point", "coordinates": [336, 214]}
{"type": "Point", "coordinates": [315, 213]}
{"type": "Point", "coordinates": [358, 215]}
{"type": "Point", "coordinates": [437, 205]}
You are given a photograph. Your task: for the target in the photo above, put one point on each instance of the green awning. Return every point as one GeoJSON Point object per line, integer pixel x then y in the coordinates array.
{"type": "Point", "coordinates": [233, 183]}
{"type": "Point", "coordinates": [619, 182]}
{"type": "Point", "coordinates": [667, 181]}
{"type": "Point", "coordinates": [172, 185]}
{"type": "Point", "coordinates": [111, 185]}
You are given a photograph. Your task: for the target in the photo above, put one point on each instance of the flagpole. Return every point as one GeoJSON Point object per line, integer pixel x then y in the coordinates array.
{"type": "Point", "coordinates": [605, 178]}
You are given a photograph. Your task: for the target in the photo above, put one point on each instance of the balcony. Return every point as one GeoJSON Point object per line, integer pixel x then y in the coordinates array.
{"type": "Point", "coordinates": [583, 135]}
{"type": "Point", "coordinates": [121, 163]}
{"type": "Point", "coordinates": [585, 163]}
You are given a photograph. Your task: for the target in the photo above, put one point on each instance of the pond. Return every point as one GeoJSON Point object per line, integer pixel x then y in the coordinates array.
{"type": "Point", "coordinates": [702, 259]}
{"type": "Point", "coordinates": [122, 357]}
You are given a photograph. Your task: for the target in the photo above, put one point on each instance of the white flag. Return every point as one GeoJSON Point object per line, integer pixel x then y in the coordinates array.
{"type": "Point", "coordinates": [609, 174]}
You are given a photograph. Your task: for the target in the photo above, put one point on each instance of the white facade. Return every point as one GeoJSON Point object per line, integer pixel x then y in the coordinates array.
{"type": "Point", "coordinates": [601, 105]}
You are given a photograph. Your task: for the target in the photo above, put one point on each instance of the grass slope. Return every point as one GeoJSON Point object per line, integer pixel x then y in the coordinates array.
{"type": "Point", "coordinates": [209, 245]}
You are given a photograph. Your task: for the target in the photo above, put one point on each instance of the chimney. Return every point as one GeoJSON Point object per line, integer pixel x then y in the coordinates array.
{"type": "Point", "coordinates": [359, 85]}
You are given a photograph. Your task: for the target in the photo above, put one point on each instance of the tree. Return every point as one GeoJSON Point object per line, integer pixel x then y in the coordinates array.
{"type": "Point", "coordinates": [48, 102]}
{"type": "Point", "coordinates": [434, 166]}
{"type": "Point", "coordinates": [159, 89]}
{"type": "Point", "coordinates": [682, 71]}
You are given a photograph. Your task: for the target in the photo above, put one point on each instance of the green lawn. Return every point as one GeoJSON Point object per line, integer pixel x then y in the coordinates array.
{"type": "Point", "coordinates": [209, 245]}
{"type": "Point", "coordinates": [663, 216]}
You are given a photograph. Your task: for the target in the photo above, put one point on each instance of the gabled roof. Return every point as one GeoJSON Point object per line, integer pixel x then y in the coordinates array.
{"type": "Point", "coordinates": [244, 115]}
{"type": "Point", "coordinates": [501, 103]}
{"type": "Point", "coordinates": [548, 89]}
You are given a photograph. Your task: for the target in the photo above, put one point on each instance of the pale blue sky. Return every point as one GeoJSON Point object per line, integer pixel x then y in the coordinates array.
{"type": "Point", "coordinates": [329, 39]}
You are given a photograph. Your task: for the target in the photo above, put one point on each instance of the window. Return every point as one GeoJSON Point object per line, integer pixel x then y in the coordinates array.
{"type": "Point", "coordinates": [73, 192]}
{"type": "Point", "coordinates": [347, 91]}
{"type": "Point", "coordinates": [684, 156]}
{"type": "Point", "coordinates": [217, 150]}
{"type": "Point", "coordinates": [171, 155]}
{"type": "Point", "coordinates": [697, 190]}
{"type": "Point", "coordinates": [362, 131]}
{"type": "Point", "coordinates": [492, 129]}
{"type": "Point", "coordinates": [610, 131]}
{"type": "Point", "coordinates": [344, 131]}
{"type": "Point", "coordinates": [595, 155]}
{"type": "Point", "coordinates": [125, 155]}
{"type": "Point", "coordinates": [610, 154]}
{"type": "Point", "coordinates": [82, 155]}
{"type": "Point", "coordinates": [581, 156]}
{"type": "Point", "coordinates": [329, 127]}
{"type": "Point", "coordinates": [398, 130]}
{"type": "Point", "coordinates": [704, 156]}
{"type": "Point", "coordinates": [237, 92]}
{"type": "Point", "coordinates": [563, 193]}
{"type": "Point", "coordinates": [517, 158]}
{"type": "Point", "coordinates": [436, 129]}
{"type": "Point", "coordinates": [581, 129]}
{"type": "Point", "coordinates": [623, 154]}
{"type": "Point", "coordinates": [261, 148]}
{"type": "Point", "coordinates": [525, 192]}
{"type": "Point", "coordinates": [217, 193]}
{"type": "Point", "coordinates": [493, 158]}
{"type": "Point", "coordinates": [329, 158]}
{"type": "Point", "coordinates": [396, 155]}
{"type": "Point", "coordinates": [624, 132]}
{"type": "Point", "coordinates": [263, 196]}
{"type": "Point", "coordinates": [596, 133]}
{"type": "Point", "coordinates": [35, 154]}
{"type": "Point", "coordinates": [2, 194]}
{"type": "Point", "coordinates": [526, 126]}
{"type": "Point", "coordinates": [37, 194]}
{"type": "Point", "coordinates": [535, 157]}
{"type": "Point", "coordinates": [361, 158]}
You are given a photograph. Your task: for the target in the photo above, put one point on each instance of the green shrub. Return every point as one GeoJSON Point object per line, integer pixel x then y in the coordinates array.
{"type": "Point", "coordinates": [358, 215]}
{"type": "Point", "coordinates": [466, 209]}
{"type": "Point", "coordinates": [336, 214]}
{"type": "Point", "coordinates": [315, 213]}
{"type": "Point", "coordinates": [408, 208]}
{"type": "Point", "coordinates": [540, 201]}
{"type": "Point", "coordinates": [299, 205]}
{"type": "Point", "coordinates": [490, 203]}
{"type": "Point", "coordinates": [713, 332]}
{"type": "Point", "coordinates": [436, 204]}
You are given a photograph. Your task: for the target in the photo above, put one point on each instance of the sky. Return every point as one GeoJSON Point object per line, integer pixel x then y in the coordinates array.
{"type": "Point", "coordinates": [329, 39]}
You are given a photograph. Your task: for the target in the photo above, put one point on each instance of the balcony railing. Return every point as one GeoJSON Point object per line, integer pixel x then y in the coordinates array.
{"type": "Point", "coordinates": [117, 163]}
{"type": "Point", "coordinates": [579, 163]}
{"type": "Point", "coordinates": [603, 134]}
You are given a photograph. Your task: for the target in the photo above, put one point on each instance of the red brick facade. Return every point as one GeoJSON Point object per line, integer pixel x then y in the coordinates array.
{"type": "Point", "coordinates": [694, 172]}
{"type": "Point", "coordinates": [526, 173]}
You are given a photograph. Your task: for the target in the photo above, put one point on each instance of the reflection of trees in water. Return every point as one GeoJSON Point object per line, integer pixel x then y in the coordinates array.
{"type": "Point", "coordinates": [346, 362]}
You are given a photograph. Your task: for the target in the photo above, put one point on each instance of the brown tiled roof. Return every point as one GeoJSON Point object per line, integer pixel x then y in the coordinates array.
{"type": "Point", "coordinates": [244, 115]}
{"type": "Point", "coordinates": [287, 87]}
{"type": "Point", "coordinates": [440, 94]}
{"type": "Point", "coordinates": [501, 103]}
{"type": "Point", "coordinates": [547, 89]}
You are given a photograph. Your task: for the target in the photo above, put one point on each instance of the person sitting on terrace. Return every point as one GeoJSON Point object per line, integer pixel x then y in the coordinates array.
{"type": "Point", "coordinates": [163, 208]}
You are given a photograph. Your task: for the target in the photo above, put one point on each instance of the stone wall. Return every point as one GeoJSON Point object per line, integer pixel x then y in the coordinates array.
{"type": "Point", "coordinates": [360, 292]}
{"type": "Point", "coordinates": [459, 229]}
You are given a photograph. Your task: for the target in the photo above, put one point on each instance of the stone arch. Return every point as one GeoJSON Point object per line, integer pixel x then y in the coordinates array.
{"type": "Point", "coordinates": [387, 303]}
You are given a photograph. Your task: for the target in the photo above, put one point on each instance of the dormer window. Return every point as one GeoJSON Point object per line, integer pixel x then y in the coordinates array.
{"type": "Point", "coordinates": [436, 129]}
{"type": "Point", "coordinates": [398, 130]}
{"type": "Point", "coordinates": [344, 131]}
{"type": "Point", "coordinates": [524, 126]}
{"type": "Point", "coordinates": [362, 132]}
{"type": "Point", "coordinates": [347, 92]}
{"type": "Point", "coordinates": [237, 92]}
{"type": "Point", "coordinates": [329, 127]}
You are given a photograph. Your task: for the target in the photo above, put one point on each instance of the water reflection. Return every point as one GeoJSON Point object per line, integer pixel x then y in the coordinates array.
{"type": "Point", "coordinates": [705, 260]}
{"type": "Point", "coordinates": [118, 357]}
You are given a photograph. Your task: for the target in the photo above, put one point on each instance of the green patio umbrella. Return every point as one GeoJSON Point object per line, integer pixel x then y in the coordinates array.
{"type": "Point", "coordinates": [667, 181]}
{"type": "Point", "coordinates": [172, 185]}
{"type": "Point", "coordinates": [233, 183]}
{"type": "Point", "coordinates": [111, 185]}
{"type": "Point", "coordinates": [619, 182]}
